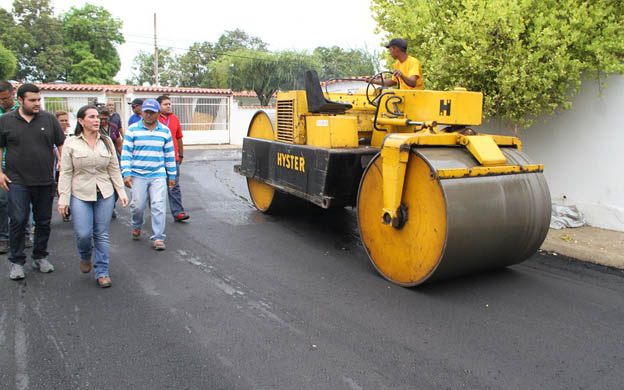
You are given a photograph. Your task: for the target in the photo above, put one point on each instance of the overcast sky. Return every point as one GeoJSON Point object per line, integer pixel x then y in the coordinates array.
{"type": "Point", "coordinates": [283, 24]}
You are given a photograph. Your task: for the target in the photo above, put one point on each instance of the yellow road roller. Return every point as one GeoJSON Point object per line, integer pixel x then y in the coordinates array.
{"type": "Point", "coordinates": [434, 199]}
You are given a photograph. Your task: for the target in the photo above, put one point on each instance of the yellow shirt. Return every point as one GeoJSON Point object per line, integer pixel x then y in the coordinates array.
{"type": "Point", "coordinates": [84, 171]}
{"type": "Point", "coordinates": [409, 67]}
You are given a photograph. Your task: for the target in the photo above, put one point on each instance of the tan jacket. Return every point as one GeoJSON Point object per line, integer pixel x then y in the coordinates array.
{"type": "Point", "coordinates": [85, 170]}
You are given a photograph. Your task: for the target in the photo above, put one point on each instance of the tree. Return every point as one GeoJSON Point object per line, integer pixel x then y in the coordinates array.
{"type": "Point", "coordinates": [90, 34]}
{"type": "Point", "coordinates": [8, 63]}
{"type": "Point", "coordinates": [238, 39]}
{"type": "Point", "coordinates": [262, 72]}
{"type": "Point", "coordinates": [193, 65]}
{"type": "Point", "coordinates": [35, 38]}
{"type": "Point", "coordinates": [526, 56]}
{"type": "Point", "coordinates": [340, 63]}
{"type": "Point", "coordinates": [143, 69]}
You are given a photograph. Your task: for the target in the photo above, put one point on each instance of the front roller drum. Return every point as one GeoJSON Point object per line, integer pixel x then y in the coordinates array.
{"type": "Point", "coordinates": [453, 227]}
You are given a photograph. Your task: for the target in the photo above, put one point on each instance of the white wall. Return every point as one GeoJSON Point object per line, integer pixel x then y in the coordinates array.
{"type": "Point", "coordinates": [582, 150]}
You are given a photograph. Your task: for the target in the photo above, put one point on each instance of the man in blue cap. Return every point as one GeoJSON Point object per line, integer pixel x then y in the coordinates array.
{"type": "Point", "coordinates": [148, 166]}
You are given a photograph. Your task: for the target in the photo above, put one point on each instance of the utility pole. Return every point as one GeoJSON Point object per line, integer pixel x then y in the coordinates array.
{"type": "Point", "coordinates": [155, 53]}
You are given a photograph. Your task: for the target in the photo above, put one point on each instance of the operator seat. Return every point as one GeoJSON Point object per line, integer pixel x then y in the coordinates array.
{"type": "Point", "coordinates": [317, 103]}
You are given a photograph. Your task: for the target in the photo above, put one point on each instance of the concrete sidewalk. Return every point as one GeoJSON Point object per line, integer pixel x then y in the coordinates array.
{"type": "Point", "coordinates": [605, 247]}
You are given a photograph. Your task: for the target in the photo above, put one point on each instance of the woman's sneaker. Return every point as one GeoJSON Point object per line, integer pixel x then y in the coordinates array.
{"type": "Point", "coordinates": [17, 271]}
{"type": "Point", "coordinates": [43, 265]}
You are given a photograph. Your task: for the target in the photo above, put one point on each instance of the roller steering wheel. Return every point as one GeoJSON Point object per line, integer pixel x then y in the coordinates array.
{"type": "Point", "coordinates": [374, 102]}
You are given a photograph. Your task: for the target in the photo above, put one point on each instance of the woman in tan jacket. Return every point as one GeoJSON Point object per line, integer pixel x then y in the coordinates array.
{"type": "Point", "coordinates": [88, 179]}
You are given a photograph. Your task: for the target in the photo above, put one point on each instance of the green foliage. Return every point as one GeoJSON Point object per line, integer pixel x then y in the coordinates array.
{"type": "Point", "coordinates": [143, 69]}
{"type": "Point", "coordinates": [262, 72]}
{"type": "Point", "coordinates": [191, 69]}
{"type": "Point", "coordinates": [238, 39]}
{"type": "Point", "coordinates": [526, 56]}
{"type": "Point", "coordinates": [8, 63]}
{"type": "Point", "coordinates": [79, 46]}
{"type": "Point", "coordinates": [90, 35]}
{"type": "Point", "coordinates": [241, 62]}
{"type": "Point", "coordinates": [192, 66]}
{"type": "Point", "coordinates": [340, 63]}
{"type": "Point", "coordinates": [34, 36]}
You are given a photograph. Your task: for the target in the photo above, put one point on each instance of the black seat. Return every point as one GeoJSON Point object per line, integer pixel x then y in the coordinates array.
{"type": "Point", "coordinates": [317, 103]}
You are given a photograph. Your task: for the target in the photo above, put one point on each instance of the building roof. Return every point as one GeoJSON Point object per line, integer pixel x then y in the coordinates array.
{"type": "Point", "coordinates": [126, 89]}
{"type": "Point", "coordinates": [336, 81]}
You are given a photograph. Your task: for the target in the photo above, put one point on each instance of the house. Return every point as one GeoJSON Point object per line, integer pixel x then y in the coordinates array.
{"type": "Point", "coordinates": [204, 113]}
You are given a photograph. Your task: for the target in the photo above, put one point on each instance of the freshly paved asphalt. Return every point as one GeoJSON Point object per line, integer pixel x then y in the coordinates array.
{"type": "Point", "coordinates": [241, 300]}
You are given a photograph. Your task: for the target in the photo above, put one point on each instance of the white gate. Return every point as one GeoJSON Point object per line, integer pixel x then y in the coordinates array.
{"type": "Point", "coordinates": [68, 104]}
{"type": "Point", "coordinates": [204, 119]}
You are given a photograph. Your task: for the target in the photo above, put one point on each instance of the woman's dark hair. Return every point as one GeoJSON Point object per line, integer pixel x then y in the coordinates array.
{"type": "Point", "coordinates": [79, 129]}
{"type": "Point", "coordinates": [81, 115]}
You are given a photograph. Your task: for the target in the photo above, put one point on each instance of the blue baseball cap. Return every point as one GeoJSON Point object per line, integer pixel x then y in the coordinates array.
{"type": "Point", "coordinates": [150, 105]}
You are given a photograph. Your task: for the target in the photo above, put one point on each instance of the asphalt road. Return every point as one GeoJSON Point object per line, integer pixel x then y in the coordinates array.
{"type": "Point", "coordinates": [241, 300]}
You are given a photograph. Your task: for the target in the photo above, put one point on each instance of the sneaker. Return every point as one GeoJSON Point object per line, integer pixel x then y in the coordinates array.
{"type": "Point", "coordinates": [159, 245]}
{"type": "Point", "coordinates": [66, 218]}
{"type": "Point", "coordinates": [136, 234]}
{"type": "Point", "coordinates": [104, 281]}
{"type": "Point", "coordinates": [28, 242]}
{"type": "Point", "coordinates": [114, 216]}
{"type": "Point", "coordinates": [43, 265]}
{"type": "Point", "coordinates": [17, 271]}
{"type": "Point", "coordinates": [182, 217]}
{"type": "Point", "coordinates": [85, 266]}
{"type": "Point", "coordinates": [4, 247]}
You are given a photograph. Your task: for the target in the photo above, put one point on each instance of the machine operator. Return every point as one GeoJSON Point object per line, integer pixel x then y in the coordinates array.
{"type": "Point", "coordinates": [407, 71]}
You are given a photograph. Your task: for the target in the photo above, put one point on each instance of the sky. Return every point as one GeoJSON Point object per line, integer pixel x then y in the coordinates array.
{"type": "Point", "coordinates": [282, 24]}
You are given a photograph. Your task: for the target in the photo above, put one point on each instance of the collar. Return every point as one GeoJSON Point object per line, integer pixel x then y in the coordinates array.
{"type": "Point", "coordinates": [158, 125]}
{"type": "Point", "coordinates": [15, 107]}
{"type": "Point", "coordinates": [82, 136]}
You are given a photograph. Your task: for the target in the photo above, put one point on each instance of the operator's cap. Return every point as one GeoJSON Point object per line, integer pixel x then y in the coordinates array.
{"type": "Point", "coordinates": [151, 105]}
{"type": "Point", "coordinates": [136, 102]}
{"type": "Point", "coordinates": [398, 42]}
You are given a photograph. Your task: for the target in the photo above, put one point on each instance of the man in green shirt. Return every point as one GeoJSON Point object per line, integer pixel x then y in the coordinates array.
{"type": "Point", "coordinates": [7, 103]}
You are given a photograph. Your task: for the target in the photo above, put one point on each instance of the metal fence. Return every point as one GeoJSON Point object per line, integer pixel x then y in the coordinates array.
{"type": "Point", "coordinates": [202, 113]}
{"type": "Point", "coordinates": [196, 113]}
{"type": "Point", "coordinates": [70, 105]}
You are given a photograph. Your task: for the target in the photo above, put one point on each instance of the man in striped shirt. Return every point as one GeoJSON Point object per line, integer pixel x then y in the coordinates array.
{"type": "Point", "coordinates": [148, 166]}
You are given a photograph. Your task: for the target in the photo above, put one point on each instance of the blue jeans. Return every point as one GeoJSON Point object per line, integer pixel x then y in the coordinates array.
{"type": "Point", "coordinates": [20, 199]}
{"type": "Point", "coordinates": [4, 216]}
{"type": "Point", "coordinates": [156, 190]}
{"type": "Point", "coordinates": [91, 226]}
{"type": "Point", "coordinates": [175, 195]}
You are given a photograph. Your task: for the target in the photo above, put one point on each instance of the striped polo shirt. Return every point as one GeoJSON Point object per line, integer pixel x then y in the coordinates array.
{"type": "Point", "coordinates": [148, 153]}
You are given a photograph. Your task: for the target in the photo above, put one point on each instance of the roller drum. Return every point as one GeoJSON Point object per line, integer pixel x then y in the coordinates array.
{"type": "Point", "coordinates": [455, 226]}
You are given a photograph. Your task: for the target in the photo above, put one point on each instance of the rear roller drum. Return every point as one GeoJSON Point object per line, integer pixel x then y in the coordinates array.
{"type": "Point", "coordinates": [264, 197]}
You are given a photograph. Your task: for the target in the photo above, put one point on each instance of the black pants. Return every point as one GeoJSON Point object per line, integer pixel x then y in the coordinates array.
{"type": "Point", "coordinates": [20, 199]}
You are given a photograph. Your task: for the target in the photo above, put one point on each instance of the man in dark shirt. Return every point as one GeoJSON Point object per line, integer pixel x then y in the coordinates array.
{"type": "Point", "coordinates": [27, 137]}
{"type": "Point", "coordinates": [115, 118]}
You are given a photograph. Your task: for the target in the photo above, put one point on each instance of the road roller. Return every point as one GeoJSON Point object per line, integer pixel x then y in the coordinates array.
{"type": "Point", "coordinates": [434, 199]}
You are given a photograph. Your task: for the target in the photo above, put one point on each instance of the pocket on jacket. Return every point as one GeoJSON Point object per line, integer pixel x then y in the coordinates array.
{"type": "Point", "coordinates": [79, 158]}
